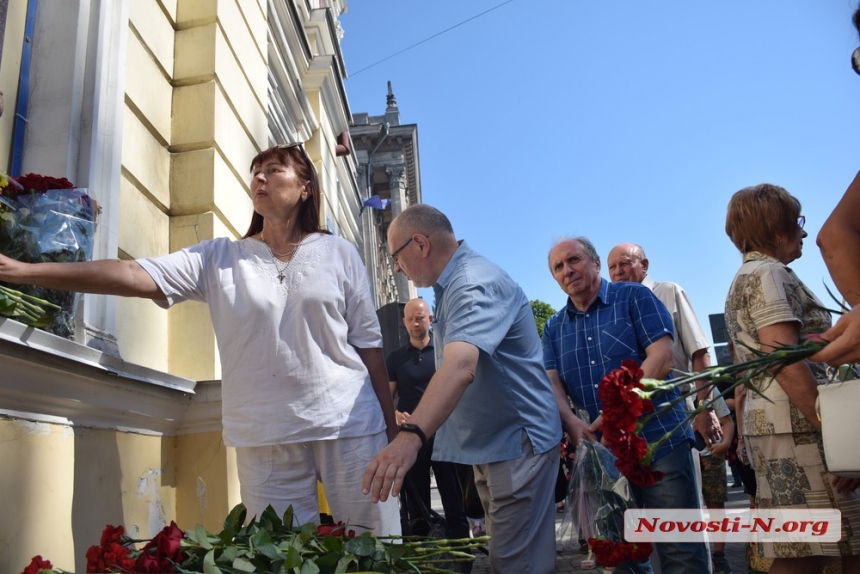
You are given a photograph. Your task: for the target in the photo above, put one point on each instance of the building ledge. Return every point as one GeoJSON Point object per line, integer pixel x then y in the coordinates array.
{"type": "Point", "coordinates": [45, 378]}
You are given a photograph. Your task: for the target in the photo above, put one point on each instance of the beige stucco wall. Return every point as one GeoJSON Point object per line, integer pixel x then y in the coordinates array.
{"type": "Point", "coordinates": [10, 72]}
{"type": "Point", "coordinates": [69, 482]}
{"type": "Point", "coordinates": [194, 113]}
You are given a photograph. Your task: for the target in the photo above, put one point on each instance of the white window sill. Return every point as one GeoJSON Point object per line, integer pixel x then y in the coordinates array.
{"type": "Point", "coordinates": [45, 378]}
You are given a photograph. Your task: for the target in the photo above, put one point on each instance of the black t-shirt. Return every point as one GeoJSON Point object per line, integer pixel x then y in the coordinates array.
{"type": "Point", "coordinates": [411, 369]}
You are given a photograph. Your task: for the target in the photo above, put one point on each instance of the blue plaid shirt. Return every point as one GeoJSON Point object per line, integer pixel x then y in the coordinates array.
{"type": "Point", "coordinates": [583, 346]}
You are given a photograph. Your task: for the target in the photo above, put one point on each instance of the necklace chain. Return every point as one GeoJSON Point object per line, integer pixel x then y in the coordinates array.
{"type": "Point", "coordinates": [275, 261]}
{"type": "Point", "coordinates": [275, 253]}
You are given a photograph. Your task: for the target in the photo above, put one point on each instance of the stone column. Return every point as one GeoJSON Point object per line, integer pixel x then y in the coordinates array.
{"type": "Point", "coordinates": [397, 187]}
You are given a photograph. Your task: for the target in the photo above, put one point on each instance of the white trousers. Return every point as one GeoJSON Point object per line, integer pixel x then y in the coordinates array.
{"type": "Point", "coordinates": [286, 474]}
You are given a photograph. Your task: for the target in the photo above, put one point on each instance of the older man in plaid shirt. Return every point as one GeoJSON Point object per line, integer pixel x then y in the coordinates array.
{"type": "Point", "coordinates": [603, 324]}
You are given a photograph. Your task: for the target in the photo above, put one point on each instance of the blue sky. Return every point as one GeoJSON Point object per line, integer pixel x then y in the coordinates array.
{"type": "Point", "coordinates": [621, 121]}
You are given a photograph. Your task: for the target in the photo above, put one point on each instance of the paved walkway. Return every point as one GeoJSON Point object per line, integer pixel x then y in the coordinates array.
{"type": "Point", "coordinates": [570, 559]}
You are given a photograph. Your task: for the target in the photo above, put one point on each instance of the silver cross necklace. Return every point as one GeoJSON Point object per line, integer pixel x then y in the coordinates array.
{"type": "Point", "coordinates": [275, 261]}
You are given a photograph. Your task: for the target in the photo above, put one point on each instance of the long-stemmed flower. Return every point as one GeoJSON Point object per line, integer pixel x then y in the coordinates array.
{"type": "Point", "coordinates": [268, 544]}
{"type": "Point", "coordinates": [628, 402]}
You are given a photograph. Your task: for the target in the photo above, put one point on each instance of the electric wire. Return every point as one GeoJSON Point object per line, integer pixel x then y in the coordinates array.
{"type": "Point", "coordinates": [436, 35]}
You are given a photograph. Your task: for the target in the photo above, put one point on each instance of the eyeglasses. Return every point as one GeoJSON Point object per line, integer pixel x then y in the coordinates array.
{"type": "Point", "coordinates": [801, 221]}
{"type": "Point", "coordinates": [395, 253]}
{"type": "Point", "coordinates": [855, 61]}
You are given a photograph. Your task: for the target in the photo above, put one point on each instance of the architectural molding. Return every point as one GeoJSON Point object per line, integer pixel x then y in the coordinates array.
{"type": "Point", "coordinates": [51, 379]}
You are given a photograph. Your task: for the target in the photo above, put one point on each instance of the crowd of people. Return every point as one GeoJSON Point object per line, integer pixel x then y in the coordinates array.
{"type": "Point", "coordinates": [483, 401]}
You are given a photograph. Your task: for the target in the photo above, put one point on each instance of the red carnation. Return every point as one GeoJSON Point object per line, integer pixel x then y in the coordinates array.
{"type": "Point", "coordinates": [43, 183]}
{"type": "Point", "coordinates": [610, 554]}
{"type": "Point", "coordinates": [338, 529]}
{"type": "Point", "coordinates": [622, 407]}
{"type": "Point", "coordinates": [37, 564]}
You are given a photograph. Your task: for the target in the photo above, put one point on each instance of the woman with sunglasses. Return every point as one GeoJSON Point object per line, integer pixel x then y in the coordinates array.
{"type": "Point", "coordinates": [304, 387]}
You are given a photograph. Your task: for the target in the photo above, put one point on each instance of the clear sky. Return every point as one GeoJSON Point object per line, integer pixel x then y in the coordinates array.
{"type": "Point", "coordinates": [620, 121]}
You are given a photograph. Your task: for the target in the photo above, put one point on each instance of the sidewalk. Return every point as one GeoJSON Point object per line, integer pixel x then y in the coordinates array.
{"type": "Point", "coordinates": [570, 559]}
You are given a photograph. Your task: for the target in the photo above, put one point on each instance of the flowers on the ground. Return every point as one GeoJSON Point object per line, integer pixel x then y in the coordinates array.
{"type": "Point", "coordinates": [46, 219]}
{"type": "Point", "coordinates": [268, 545]}
{"type": "Point", "coordinates": [628, 402]}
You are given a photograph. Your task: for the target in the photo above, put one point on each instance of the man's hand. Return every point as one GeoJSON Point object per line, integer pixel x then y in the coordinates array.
{"type": "Point", "coordinates": [401, 417]}
{"type": "Point", "coordinates": [719, 450]}
{"type": "Point", "coordinates": [843, 484]}
{"type": "Point", "coordinates": [385, 473]}
{"type": "Point", "coordinates": [708, 425]}
{"type": "Point", "coordinates": [577, 429]}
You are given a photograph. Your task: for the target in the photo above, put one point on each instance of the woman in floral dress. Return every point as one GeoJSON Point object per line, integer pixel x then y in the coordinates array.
{"type": "Point", "coordinates": [768, 305]}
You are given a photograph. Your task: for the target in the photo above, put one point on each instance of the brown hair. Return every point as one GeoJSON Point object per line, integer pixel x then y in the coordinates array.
{"type": "Point", "coordinates": [296, 158]}
{"type": "Point", "coordinates": [757, 216]}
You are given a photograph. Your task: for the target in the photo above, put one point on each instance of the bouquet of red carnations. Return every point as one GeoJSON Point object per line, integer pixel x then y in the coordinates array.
{"type": "Point", "coordinates": [628, 403]}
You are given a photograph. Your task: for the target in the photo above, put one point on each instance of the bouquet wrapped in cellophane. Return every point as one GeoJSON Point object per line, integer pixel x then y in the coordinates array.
{"type": "Point", "coordinates": [597, 496]}
{"type": "Point", "coordinates": [46, 219]}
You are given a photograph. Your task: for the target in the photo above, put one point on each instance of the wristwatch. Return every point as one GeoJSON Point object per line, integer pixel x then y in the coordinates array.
{"type": "Point", "coordinates": [415, 429]}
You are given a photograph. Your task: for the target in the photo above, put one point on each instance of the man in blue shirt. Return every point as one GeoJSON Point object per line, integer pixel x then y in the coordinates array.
{"type": "Point", "coordinates": [490, 389]}
{"type": "Point", "coordinates": [603, 324]}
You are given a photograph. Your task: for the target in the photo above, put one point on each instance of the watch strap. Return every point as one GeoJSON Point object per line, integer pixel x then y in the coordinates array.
{"type": "Point", "coordinates": [414, 429]}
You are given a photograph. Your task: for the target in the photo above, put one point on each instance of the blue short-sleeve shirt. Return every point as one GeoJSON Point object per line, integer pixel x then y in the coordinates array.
{"type": "Point", "coordinates": [478, 303]}
{"type": "Point", "coordinates": [584, 346]}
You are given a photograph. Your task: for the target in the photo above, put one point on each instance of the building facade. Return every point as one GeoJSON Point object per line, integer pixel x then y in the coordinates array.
{"type": "Point", "coordinates": [389, 168]}
{"type": "Point", "coordinates": [156, 107]}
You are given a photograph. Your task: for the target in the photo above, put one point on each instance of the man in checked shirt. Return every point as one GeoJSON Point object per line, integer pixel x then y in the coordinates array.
{"type": "Point", "coordinates": [603, 324]}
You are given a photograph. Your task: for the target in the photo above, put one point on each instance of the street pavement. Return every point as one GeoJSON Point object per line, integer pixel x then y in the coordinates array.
{"type": "Point", "coordinates": [570, 559]}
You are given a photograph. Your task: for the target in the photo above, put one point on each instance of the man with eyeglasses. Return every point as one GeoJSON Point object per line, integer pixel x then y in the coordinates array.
{"type": "Point", "coordinates": [498, 407]}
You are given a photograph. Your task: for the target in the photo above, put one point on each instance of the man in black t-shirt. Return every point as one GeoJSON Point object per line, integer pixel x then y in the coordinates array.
{"type": "Point", "coordinates": [410, 368]}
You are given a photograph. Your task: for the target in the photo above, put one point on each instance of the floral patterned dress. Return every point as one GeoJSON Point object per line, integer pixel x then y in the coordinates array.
{"type": "Point", "coordinates": [787, 451]}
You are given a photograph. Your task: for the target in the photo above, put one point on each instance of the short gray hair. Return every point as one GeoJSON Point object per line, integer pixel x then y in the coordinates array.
{"type": "Point", "coordinates": [586, 243]}
{"type": "Point", "coordinates": [423, 218]}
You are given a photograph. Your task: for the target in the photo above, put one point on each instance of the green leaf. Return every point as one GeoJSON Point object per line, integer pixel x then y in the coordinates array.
{"type": "Point", "coordinates": [200, 536]}
{"type": "Point", "coordinates": [270, 519]}
{"type": "Point", "coordinates": [360, 545]}
{"type": "Point", "coordinates": [262, 541]}
{"type": "Point", "coordinates": [294, 559]}
{"type": "Point", "coordinates": [229, 554]}
{"type": "Point", "coordinates": [333, 544]}
{"type": "Point", "coordinates": [288, 517]}
{"type": "Point", "coordinates": [310, 568]}
{"type": "Point", "coordinates": [236, 518]}
{"type": "Point", "coordinates": [209, 566]}
{"type": "Point", "coordinates": [243, 565]}
{"type": "Point", "coordinates": [343, 563]}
